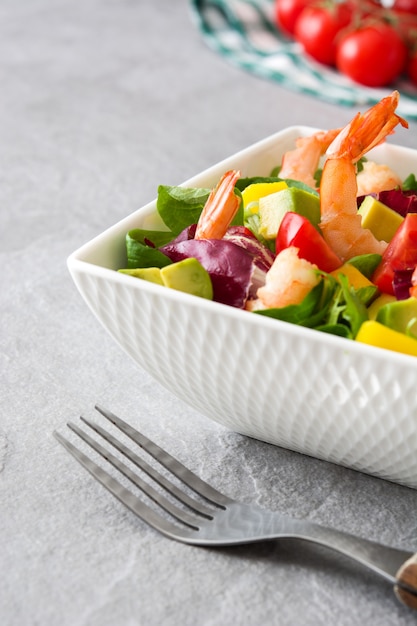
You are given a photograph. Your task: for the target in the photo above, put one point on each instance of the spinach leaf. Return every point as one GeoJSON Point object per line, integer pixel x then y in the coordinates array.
{"type": "Point", "coordinates": [300, 185]}
{"type": "Point", "coordinates": [359, 164]}
{"type": "Point", "coordinates": [317, 176]}
{"type": "Point", "coordinates": [366, 263]}
{"type": "Point", "coordinates": [141, 254]}
{"type": "Point", "coordinates": [154, 238]}
{"type": "Point", "coordinates": [335, 329]}
{"type": "Point", "coordinates": [410, 183]}
{"type": "Point", "coordinates": [180, 206]}
{"type": "Point", "coordinates": [242, 183]}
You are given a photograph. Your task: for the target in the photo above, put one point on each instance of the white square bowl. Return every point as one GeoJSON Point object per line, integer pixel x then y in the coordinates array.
{"type": "Point", "coordinates": [318, 394]}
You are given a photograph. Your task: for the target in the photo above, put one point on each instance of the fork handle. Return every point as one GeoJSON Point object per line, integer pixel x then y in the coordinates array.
{"type": "Point", "coordinates": [407, 576]}
{"type": "Point", "coordinates": [399, 567]}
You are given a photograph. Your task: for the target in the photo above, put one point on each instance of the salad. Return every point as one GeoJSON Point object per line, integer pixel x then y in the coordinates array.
{"type": "Point", "coordinates": [328, 240]}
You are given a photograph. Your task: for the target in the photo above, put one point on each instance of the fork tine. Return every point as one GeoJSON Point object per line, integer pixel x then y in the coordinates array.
{"type": "Point", "coordinates": [180, 514]}
{"type": "Point", "coordinates": [198, 507]}
{"type": "Point", "coordinates": [169, 462]}
{"type": "Point", "coordinates": [139, 508]}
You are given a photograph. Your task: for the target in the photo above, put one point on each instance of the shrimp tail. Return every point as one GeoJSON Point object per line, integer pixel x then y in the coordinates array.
{"type": "Point", "coordinates": [220, 208]}
{"type": "Point", "coordinates": [340, 223]}
{"type": "Point", "coordinates": [367, 130]}
{"type": "Point", "coordinates": [301, 163]}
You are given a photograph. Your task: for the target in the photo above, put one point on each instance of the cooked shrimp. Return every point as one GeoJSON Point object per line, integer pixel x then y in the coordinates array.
{"type": "Point", "coordinates": [301, 163]}
{"type": "Point", "coordinates": [340, 221]}
{"type": "Point", "coordinates": [288, 281]}
{"type": "Point", "coordinates": [376, 177]}
{"type": "Point", "coordinates": [220, 208]}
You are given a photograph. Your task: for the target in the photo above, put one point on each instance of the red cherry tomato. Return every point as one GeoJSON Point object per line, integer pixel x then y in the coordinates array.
{"type": "Point", "coordinates": [287, 13]}
{"type": "Point", "coordinates": [406, 6]}
{"type": "Point", "coordinates": [317, 28]}
{"type": "Point", "coordinates": [296, 230]}
{"type": "Point", "coordinates": [372, 55]}
{"type": "Point", "coordinates": [405, 21]}
{"type": "Point", "coordinates": [412, 68]}
{"type": "Point", "coordinates": [401, 254]}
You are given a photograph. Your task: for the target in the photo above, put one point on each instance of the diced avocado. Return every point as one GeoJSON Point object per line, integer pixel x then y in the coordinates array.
{"type": "Point", "coordinates": [152, 274]}
{"type": "Point", "coordinates": [400, 315]}
{"type": "Point", "coordinates": [382, 221]}
{"type": "Point", "coordinates": [189, 276]}
{"type": "Point", "coordinates": [383, 299]}
{"type": "Point", "coordinates": [252, 193]}
{"type": "Point", "coordinates": [375, 334]}
{"type": "Point", "coordinates": [355, 277]}
{"type": "Point", "coordinates": [272, 209]}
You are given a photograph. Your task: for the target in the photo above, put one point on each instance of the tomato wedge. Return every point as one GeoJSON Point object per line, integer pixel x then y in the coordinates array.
{"type": "Point", "coordinates": [401, 254]}
{"type": "Point", "coordinates": [296, 230]}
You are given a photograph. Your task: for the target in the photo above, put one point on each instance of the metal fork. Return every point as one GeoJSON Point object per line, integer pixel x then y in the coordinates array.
{"type": "Point", "coordinates": [219, 520]}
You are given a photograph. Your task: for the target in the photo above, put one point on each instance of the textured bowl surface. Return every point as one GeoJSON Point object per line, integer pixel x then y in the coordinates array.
{"type": "Point", "coordinates": [318, 394]}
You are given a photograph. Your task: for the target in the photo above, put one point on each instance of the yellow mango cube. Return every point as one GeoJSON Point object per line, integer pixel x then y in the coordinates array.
{"type": "Point", "coordinates": [375, 334]}
{"type": "Point", "coordinates": [256, 191]}
{"type": "Point", "coordinates": [354, 276]}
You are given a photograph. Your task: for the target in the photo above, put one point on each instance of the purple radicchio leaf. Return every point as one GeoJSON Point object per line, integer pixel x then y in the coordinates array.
{"type": "Point", "coordinates": [402, 202]}
{"type": "Point", "coordinates": [186, 234]}
{"type": "Point", "coordinates": [231, 267]}
{"type": "Point", "coordinates": [242, 236]}
{"type": "Point", "coordinates": [402, 283]}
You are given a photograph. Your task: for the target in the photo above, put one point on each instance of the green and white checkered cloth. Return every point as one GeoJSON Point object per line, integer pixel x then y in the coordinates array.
{"type": "Point", "coordinates": [243, 32]}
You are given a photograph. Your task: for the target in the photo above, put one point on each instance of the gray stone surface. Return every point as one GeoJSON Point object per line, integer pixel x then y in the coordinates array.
{"type": "Point", "coordinates": [100, 102]}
